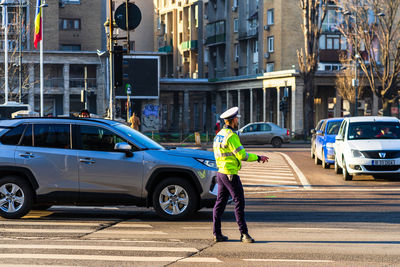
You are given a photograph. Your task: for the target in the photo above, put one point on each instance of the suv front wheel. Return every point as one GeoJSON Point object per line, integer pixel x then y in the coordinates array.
{"type": "Point", "coordinates": [175, 199]}
{"type": "Point", "coordinates": [16, 197]}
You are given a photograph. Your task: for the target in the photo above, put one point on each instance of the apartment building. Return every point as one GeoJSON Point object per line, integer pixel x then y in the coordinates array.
{"type": "Point", "coordinates": [72, 32]}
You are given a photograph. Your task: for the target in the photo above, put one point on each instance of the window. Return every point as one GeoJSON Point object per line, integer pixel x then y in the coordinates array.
{"type": "Point", "coordinates": [270, 17]}
{"type": "Point", "coordinates": [270, 67]}
{"type": "Point", "coordinates": [70, 24]}
{"type": "Point", "coordinates": [235, 3]}
{"type": "Point", "coordinates": [236, 52]}
{"type": "Point", "coordinates": [67, 47]}
{"type": "Point", "coordinates": [76, 2]}
{"type": "Point", "coordinates": [235, 25]}
{"type": "Point", "coordinates": [333, 127]}
{"type": "Point", "coordinates": [98, 139]}
{"type": "Point", "coordinates": [270, 42]}
{"type": "Point", "coordinates": [331, 42]}
{"type": "Point", "coordinates": [13, 136]}
{"type": "Point", "coordinates": [265, 127]}
{"type": "Point", "coordinates": [27, 140]}
{"type": "Point", "coordinates": [52, 135]}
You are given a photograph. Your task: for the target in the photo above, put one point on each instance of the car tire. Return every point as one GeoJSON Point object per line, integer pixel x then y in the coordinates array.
{"type": "Point", "coordinates": [338, 170]}
{"type": "Point", "coordinates": [346, 175]}
{"type": "Point", "coordinates": [317, 161]}
{"type": "Point", "coordinates": [16, 197]}
{"type": "Point", "coordinates": [170, 206]}
{"type": "Point", "coordinates": [324, 164]}
{"type": "Point", "coordinates": [312, 155]}
{"type": "Point", "coordinates": [276, 142]}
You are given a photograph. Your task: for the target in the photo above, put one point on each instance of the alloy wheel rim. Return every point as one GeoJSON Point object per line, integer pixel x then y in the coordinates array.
{"type": "Point", "coordinates": [11, 198]}
{"type": "Point", "coordinates": [173, 199]}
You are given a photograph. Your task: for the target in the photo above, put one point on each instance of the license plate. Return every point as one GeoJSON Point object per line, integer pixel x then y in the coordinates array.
{"type": "Point", "coordinates": [383, 162]}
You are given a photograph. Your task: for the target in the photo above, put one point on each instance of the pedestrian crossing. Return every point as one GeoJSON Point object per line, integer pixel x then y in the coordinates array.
{"type": "Point", "coordinates": [273, 176]}
{"type": "Point", "coordinates": [95, 243]}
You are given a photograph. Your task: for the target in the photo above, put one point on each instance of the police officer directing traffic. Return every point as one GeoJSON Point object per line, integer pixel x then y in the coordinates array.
{"type": "Point", "coordinates": [229, 153]}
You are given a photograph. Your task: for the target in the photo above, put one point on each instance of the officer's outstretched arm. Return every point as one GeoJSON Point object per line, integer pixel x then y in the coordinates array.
{"type": "Point", "coordinates": [238, 150]}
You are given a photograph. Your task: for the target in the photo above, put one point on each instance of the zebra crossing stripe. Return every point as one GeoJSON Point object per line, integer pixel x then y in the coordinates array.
{"type": "Point", "coordinates": [107, 248]}
{"type": "Point", "coordinates": [267, 176]}
{"type": "Point", "coordinates": [105, 258]}
{"type": "Point", "coordinates": [302, 178]}
{"type": "Point", "coordinates": [252, 181]}
{"type": "Point", "coordinates": [56, 223]}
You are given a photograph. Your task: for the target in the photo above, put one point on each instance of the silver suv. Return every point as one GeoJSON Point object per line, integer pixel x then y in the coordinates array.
{"type": "Point", "coordinates": [66, 161]}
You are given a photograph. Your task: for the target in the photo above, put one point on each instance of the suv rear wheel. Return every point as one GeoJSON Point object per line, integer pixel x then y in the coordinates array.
{"type": "Point", "coordinates": [175, 199]}
{"type": "Point", "coordinates": [16, 197]}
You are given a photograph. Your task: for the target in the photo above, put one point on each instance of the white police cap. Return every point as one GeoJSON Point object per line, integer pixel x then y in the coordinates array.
{"type": "Point", "coordinates": [230, 113]}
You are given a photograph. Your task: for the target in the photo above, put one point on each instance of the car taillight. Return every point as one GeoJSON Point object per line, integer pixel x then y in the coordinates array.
{"type": "Point", "coordinates": [287, 132]}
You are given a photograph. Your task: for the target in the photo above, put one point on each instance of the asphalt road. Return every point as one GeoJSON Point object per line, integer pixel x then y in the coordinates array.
{"type": "Point", "coordinates": [298, 213]}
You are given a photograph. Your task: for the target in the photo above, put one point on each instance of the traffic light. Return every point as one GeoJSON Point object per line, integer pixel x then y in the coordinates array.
{"type": "Point", "coordinates": [282, 105]}
{"type": "Point", "coordinates": [118, 57]}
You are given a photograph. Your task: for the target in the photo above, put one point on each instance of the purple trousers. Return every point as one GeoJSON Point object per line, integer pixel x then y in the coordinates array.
{"type": "Point", "coordinates": [226, 188]}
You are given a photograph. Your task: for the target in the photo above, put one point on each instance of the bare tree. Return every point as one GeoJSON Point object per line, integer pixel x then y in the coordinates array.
{"type": "Point", "coordinates": [375, 38]}
{"type": "Point", "coordinates": [16, 26]}
{"type": "Point", "coordinates": [313, 14]}
{"type": "Point", "coordinates": [343, 82]}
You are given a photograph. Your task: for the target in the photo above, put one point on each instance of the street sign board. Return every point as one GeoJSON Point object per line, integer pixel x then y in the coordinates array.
{"type": "Point", "coordinates": [143, 74]}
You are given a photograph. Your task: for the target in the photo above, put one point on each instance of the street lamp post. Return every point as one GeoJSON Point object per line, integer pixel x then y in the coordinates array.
{"type": "Point", "coordinates": [109, 29]}
{"type": "Point", "coordinates": [20, 54]}
{"type": "Point", "coordinates": [4, 4]}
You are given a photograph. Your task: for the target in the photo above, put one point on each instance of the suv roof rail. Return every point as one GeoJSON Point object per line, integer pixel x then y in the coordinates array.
{"type": "Point", "coordinates": [65, 118]}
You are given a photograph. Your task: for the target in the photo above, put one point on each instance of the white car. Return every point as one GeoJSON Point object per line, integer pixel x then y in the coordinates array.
{"type": "Point", "coordinates": [368, 145]}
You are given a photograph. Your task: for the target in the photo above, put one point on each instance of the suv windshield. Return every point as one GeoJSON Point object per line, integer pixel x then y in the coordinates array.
{"type": "Point", "coordinates": [139, 138]}
{"type": "Point", "coordinates": [374, 130]}
{"type": "Point", "coordinates": [333, 127]}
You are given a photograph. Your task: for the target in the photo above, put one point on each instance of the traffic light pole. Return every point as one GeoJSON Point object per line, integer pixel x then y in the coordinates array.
{"type": "Point", "coordinates": [111, 53]}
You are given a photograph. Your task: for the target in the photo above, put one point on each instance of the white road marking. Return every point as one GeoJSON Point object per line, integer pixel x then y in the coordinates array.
{"type": "Point", "coordinates": [88, 257]}
{"type": "Point", "coordinates": [128, 232]}
{"type": "Point", "coordinates": [50, 223]}
{"type": "Point", "coordinates": [61, 231]}
{"type": "Point", "coordinates": [105, 258]}
{"type": "Point", "coordinates": [321, 229]}
{"type": "Point", "coordinates": [302, 178]}
{"type": "Point", "coordinates": [199, 259]}
{"type": "Point", "coordinates": [244, 177]}
{"type": "Point", "coordinates": [113, 248]}
{"type": "Point", "coordinates": [251, 181]}
{"type": "Point", "coordinates": [271, 185]}
{"type": "Point", "coordinates": [131, 225]}
{"type": "Point", "coordinates": [269, 175]}
{"type": "Point", "coordinates": [289, 260]}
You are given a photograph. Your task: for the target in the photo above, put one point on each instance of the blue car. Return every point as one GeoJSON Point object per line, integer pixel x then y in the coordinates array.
{"type": "Point", "coordinates": [325, 138]}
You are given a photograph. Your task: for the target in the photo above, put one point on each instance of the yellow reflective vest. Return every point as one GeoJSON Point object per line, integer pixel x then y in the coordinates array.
{"type": "Point", "coordinates": [229, 152]}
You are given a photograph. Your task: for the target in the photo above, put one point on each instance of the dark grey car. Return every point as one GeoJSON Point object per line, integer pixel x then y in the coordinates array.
{"type": "Point", "coordinates": [264, 133]}
{"type": "Point", "coordinates": [48, 161]}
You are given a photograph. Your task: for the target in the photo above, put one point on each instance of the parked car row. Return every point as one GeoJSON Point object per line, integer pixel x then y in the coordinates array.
{"type": "Point", "coordinates": [358, 145]}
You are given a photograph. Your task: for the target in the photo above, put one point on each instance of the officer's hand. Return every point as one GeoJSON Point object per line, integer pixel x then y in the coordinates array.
{"type": "Point", "coordinates": [263, 159]}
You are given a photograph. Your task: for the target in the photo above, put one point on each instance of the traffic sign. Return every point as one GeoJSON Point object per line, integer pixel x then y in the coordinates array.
{"type": "Point", "coordinates": [134, 16]}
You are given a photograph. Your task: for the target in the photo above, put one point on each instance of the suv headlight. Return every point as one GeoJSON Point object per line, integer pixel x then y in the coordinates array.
{"type": "Point", "coordinates": [208, 163]}
{"type": "Point", "coordinates": [330, 145]}
{"type": "Point", "coordinates": [356, 153]}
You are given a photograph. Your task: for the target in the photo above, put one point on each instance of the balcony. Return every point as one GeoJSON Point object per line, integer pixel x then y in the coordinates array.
{"type": "Point", "coordinates": [216, 33]}
{"type": "Point", "coordinates": [251, 33]}
{"type": "Point", "coordinates": [189, 45]}
{"type": "Point", "coordinates": [166, 49]}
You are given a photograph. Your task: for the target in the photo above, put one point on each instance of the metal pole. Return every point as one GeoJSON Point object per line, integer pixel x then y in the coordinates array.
{"type": "Point", "coordinates": [111, 48]}
{"type": "Point", "coordinates": [41, 68]}
{"type": "Point", "coordinates": [20, 53]}
{"type": "Point", "coordinates": [6, 89]}
{"type": "Point", "coordinates": [355, 75]}
{"type": "Point", "coordinates": [86, 89]}
{"type": "Point", "coordinates": [127, 27]}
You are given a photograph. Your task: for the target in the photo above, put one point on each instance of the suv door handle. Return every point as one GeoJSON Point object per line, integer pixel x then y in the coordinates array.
{"type": "Point", "coordinates": [87, 160]}
{"type": "Point", "coordinates": [27, 155]}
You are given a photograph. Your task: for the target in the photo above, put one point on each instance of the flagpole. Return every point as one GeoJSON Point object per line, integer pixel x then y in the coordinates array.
{"type": "Point", "coordinates": [6, 89]}
{"type": "Point", "coordinates": [41, 66]}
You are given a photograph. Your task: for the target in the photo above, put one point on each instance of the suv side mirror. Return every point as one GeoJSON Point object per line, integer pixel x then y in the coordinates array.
{"type": "Point", "coordinates": [339, 138]}
{"type": "Point", "coordinates": [125, 148]}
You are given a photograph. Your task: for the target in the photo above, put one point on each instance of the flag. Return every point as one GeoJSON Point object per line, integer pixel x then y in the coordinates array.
{"type": "Point", "coordinates": [38, 24]}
